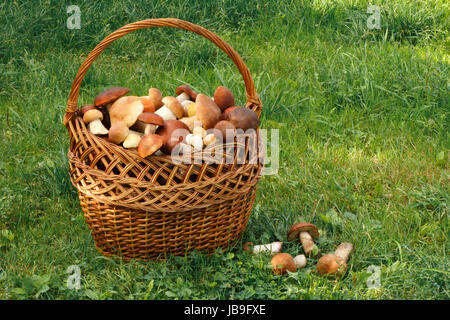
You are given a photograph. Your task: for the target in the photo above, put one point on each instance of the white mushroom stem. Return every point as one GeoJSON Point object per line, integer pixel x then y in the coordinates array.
{"type": "Point", "coordinates": [307, 241]}
{"type": "Point", "coordinates": [165, 113]}
{"type": "Point", "coordinates": [96, 127]}
{"type": "Point", "coordinates": [300, 261]}
{"type": "Point", "coordinates": [195, 141]}
{"type": "Point", "coordinates": [132, 140]}
{"type": "Point", "coordinates": [150, 128]}
{"type": "Point", "coordinates": [274, 247]}
{"type": "Point", "coordinates": [344, 250]}
{"type": "Point", "coordinates": [182, 97]}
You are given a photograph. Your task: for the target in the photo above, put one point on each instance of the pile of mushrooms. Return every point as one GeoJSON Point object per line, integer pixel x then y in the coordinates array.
{"type": "Point", "coordinates": [147, 124]}
{"type": "Point", "coordinates": [330, 264]}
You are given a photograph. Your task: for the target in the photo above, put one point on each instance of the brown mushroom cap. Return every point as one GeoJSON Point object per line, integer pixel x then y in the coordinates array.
{"type": "Point", "coordinates": [186, 89]}
{"type": "Point", "coordinates": [148, 104]}
{"type": "Point", "coordinates": [149, 144]}
{"type": "Point", "coordinates": [170, 140]}
{"type": "Point", "coordinates": [207, 111]}
{"type": "Point", "coordinates": [174, 105]}
{"type": "Point", "coordinates": [151, 118]}
{"type": "Point", "coordinates": [294, 232]}
{"type": "Point", "coordinates": [225, 126]}
{"type": "Point", "coordinates": [91, 115]}
{"type": "Point", "coordinates": [118, 132]}
{"type": "Point", "coordinates": [109, 96]}
{"type": "Point", "coordinates": [243, 118]}
{"type": "Point", "coordinates": [126, 109]}
{"type": "Point", "coordinates": [283, 262]}
{"type": "Point", "coordinates": [223, 97]}
{"type": "Point", "coordinates": [331, 264]}
{"type": "Point", "coordinates": [224, 114]}
{"type": "Point", "coordinates": [156, 97]}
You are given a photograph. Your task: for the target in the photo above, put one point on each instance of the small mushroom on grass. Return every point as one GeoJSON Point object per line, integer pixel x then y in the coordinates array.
{"type": "Point", "coordinates": [274, 247]}
{"type": "Point", "coordinates": [300, 261]}
{"type": "Point", "coordinates": [283, 262]}
{"type": "Point", "coordinates": [335, 264]}
{"type": "Point", "coordinates": [305, 233]}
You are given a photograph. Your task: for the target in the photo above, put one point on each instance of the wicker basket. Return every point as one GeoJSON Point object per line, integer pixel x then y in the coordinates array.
{"type": "Point", "coordinates": [147, 208]}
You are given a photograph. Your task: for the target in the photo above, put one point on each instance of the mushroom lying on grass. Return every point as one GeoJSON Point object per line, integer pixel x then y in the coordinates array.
{"type": "Point", "coordinates": [335, 264]}
{"type": "Point", "coordinates": [274, 247]}
{"type": "Point", "coordinates": [283, 262]}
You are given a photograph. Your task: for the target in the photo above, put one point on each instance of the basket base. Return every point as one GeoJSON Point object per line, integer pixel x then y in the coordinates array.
{"type": "Point", "coordinates": [140, 235]}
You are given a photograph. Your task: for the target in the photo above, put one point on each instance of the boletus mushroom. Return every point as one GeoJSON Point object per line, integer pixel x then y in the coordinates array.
{"type": "Point", "coordinates": [118, 132]}
{"type": "Point", "coordinates": [126, 109]}
{"type": "Point", "coordinates": [171, 110]}
{"type": "Point", "coordinates": [148, 122]}
{"type": "Point", "coordinates": [223, 97]}
{"type": "Point", "coordinates": [283, 262]}
{"type": "Point", "coordinates": [93, 118]}
{"type": "Point", "coordinates": [109, 96]}
{"type": "Point", "coordinates": [149, 144]}
{"type": "Point", "coordinates": [305, 233]}
{"type": "Point", "coordinates": [226, 129]}
{"type": "Point", "coordinates": [243, 118]}
{"type": "Point", "coordinates": [206, 111]}
{"type": "Point", "coordinates": [335, 264]}
{"type": "Point", "coordinates": [184, 92]}
{"type": "Point", "coordinates": [272, 248]}
{"type": "Point", "coordinates": [155, 96]}
{"type": "Point", "coordinates": [148, 104]}
{"type": "Point", "coordinates": [172, 132]}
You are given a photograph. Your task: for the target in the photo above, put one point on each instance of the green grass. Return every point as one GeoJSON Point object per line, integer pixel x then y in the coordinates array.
{"type": "Point", "coordinates": [364, 143]}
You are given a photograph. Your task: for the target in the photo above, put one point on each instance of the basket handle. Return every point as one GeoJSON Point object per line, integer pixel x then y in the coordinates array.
{"type": "Point", "coordinates": [253, 101]}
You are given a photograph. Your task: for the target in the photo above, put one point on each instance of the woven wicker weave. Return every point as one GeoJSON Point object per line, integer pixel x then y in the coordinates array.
{"type": "Point", "coordinates": [146, 208]}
